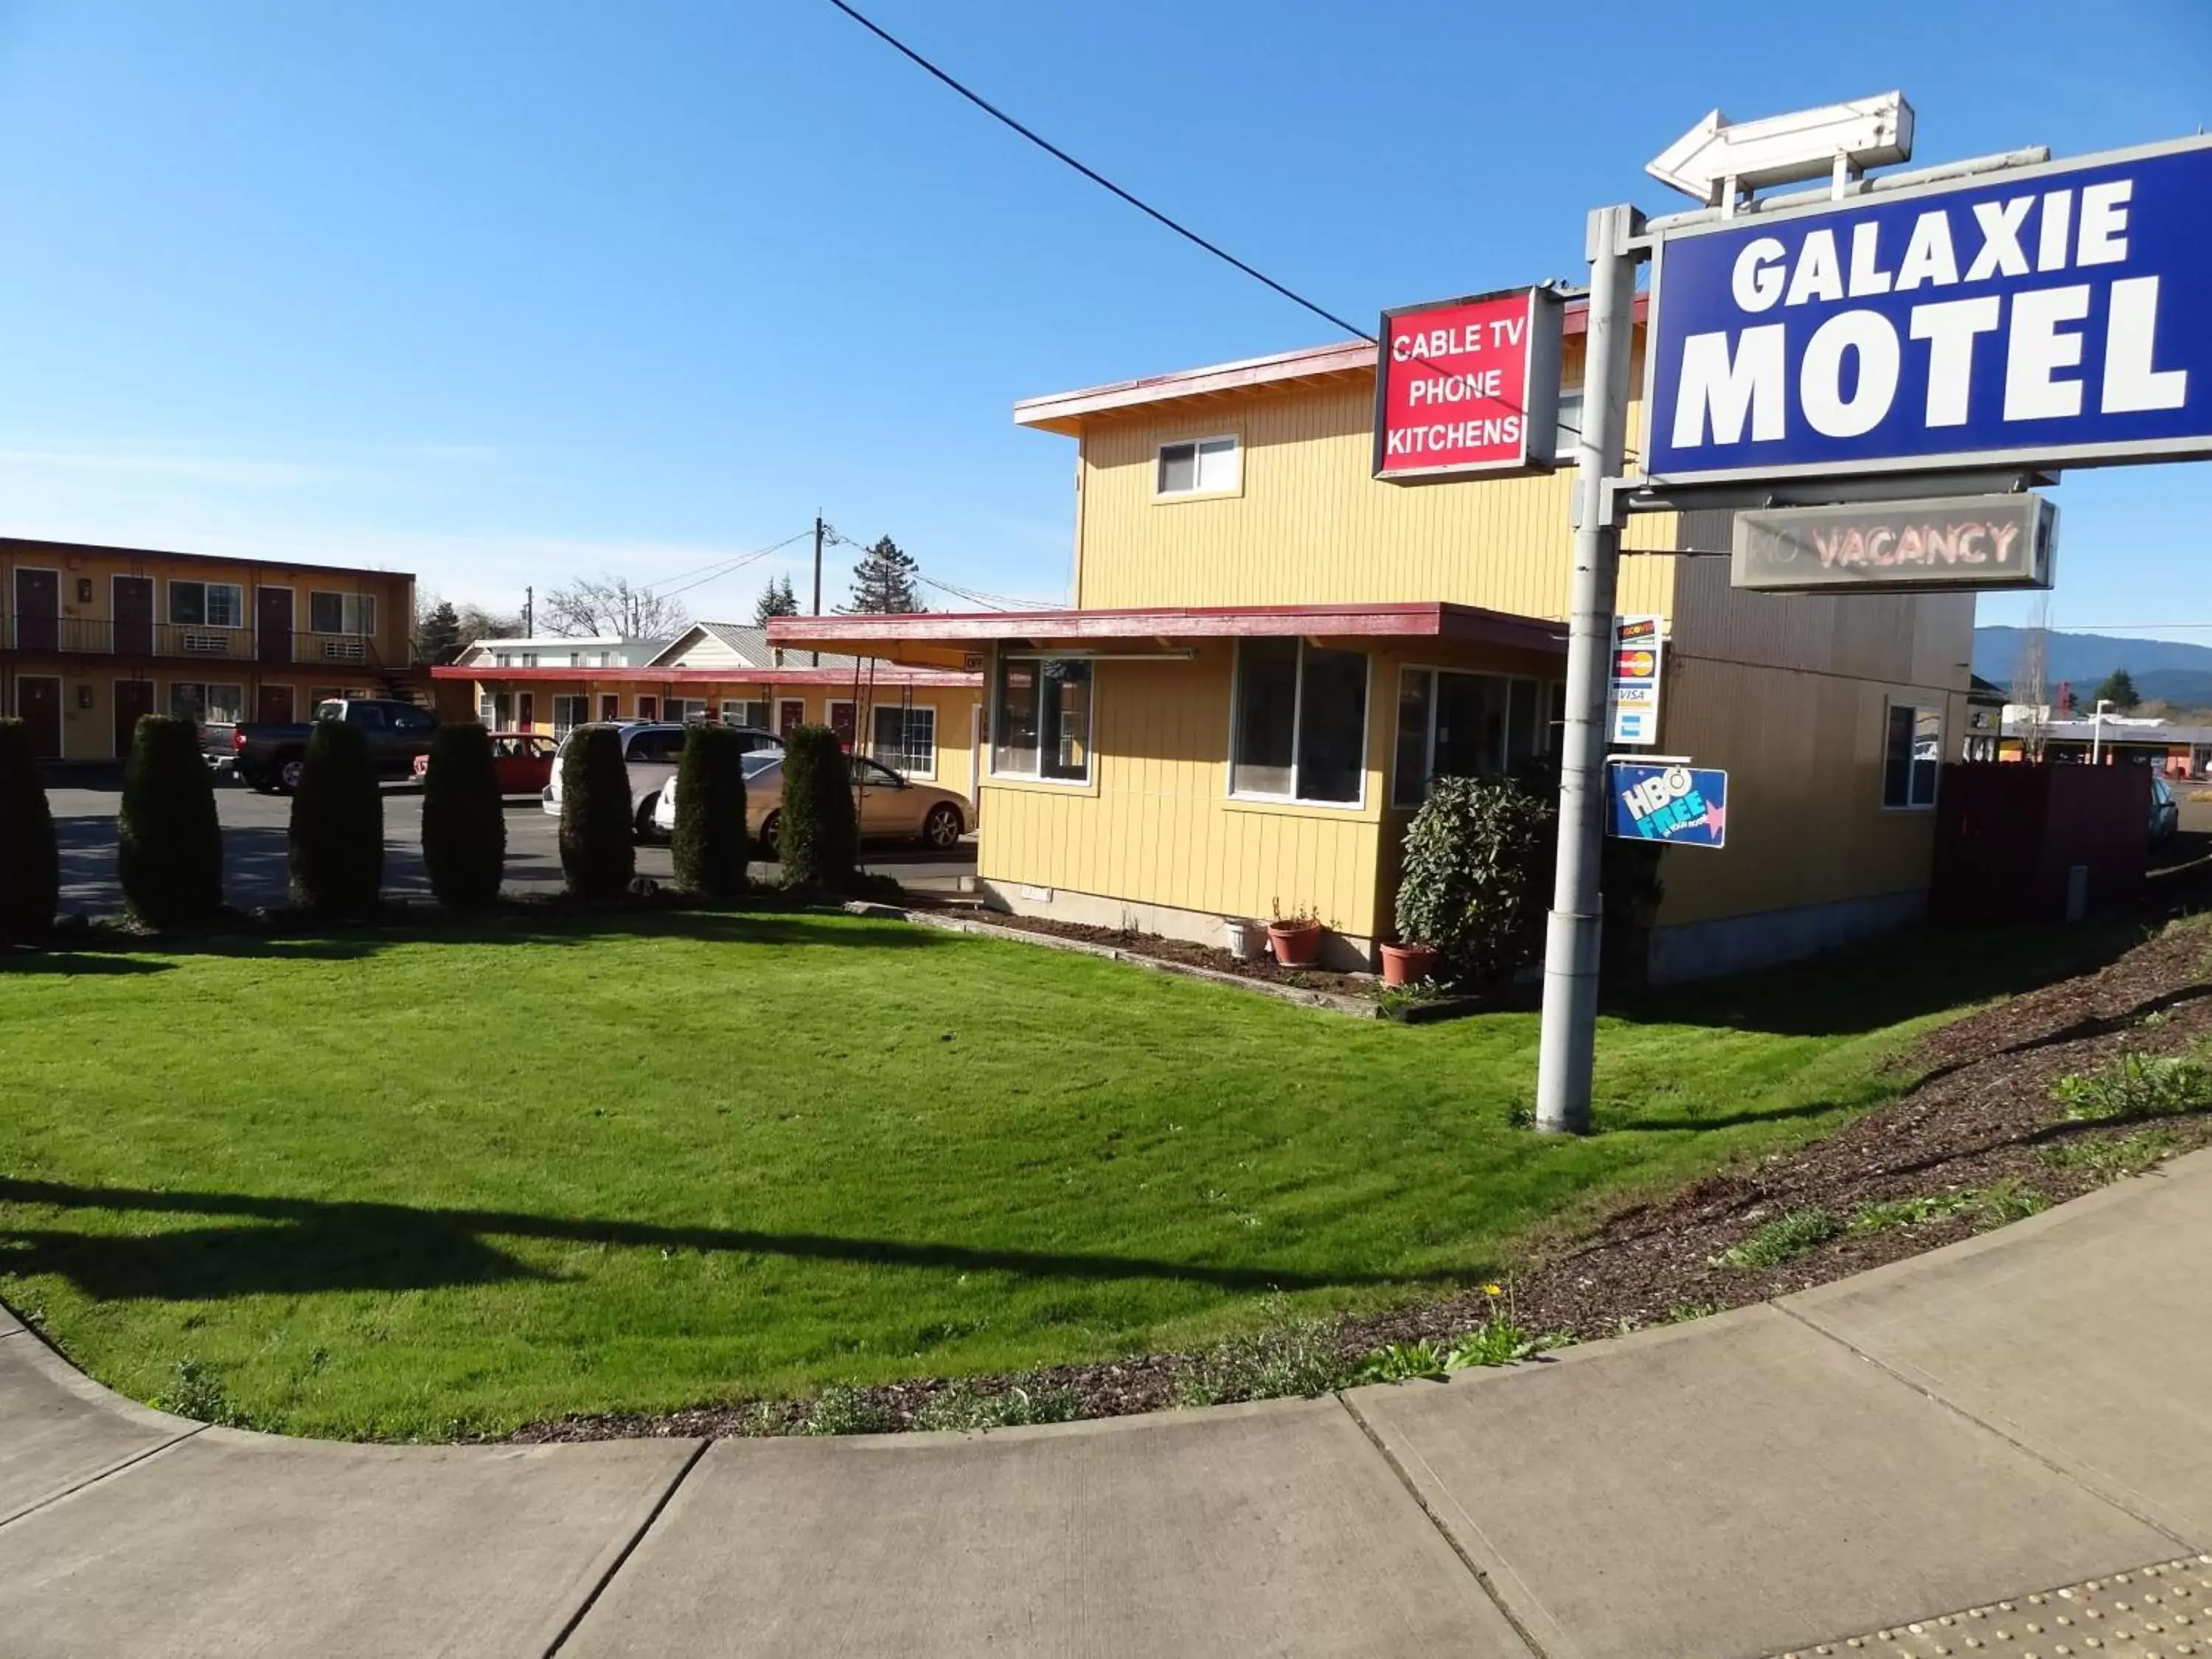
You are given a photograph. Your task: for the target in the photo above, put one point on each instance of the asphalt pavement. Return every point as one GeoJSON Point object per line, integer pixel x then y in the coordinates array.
{"type": "Point", "coordinates": [254, 849]}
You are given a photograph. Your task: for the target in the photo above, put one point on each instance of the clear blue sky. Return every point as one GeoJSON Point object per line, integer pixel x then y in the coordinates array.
{"type": "Point", "coordinates": [506, 293]}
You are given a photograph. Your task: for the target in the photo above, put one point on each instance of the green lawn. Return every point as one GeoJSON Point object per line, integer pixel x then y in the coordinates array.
{"type": "Point", "coordinates": [418, 1184]}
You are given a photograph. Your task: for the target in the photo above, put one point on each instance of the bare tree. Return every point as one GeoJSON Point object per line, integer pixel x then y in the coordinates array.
{"type": "Point", "coordinates": [611, 606]}
{"type": "Point", "coordinates": [2030, 681]}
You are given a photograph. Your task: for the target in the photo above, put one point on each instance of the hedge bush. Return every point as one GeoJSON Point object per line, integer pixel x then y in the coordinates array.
{"type": "Point", "coordinates": [168, 841]}
{"type": "Point", "coordinates": [463, 822]}
{"type": "Point", "coordinates": [337, 825]}
{"type": "Point", "coordinates": [711, 843]}
{"type": "Point", "coordinates": [1479, 857]}
{"type": "Point", "coordinates": [30, 869]}
{"type": "Point", "coordinates": [598, 854]}
{"type": "Point", "coordinates": [821, 834]}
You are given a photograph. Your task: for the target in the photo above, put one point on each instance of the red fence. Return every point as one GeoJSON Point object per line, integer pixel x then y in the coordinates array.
{"type": "Point", "coordinates": [2009, 837]}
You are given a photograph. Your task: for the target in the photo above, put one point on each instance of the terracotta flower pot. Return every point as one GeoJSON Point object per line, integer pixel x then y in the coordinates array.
{"type": "Point", "coordinates": [1409, 964]}
{"type": "Point", "coordinates": [1298, 944]}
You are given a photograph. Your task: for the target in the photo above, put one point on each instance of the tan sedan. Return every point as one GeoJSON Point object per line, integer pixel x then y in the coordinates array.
{"type": "Point", "coordinates": [891, 807]}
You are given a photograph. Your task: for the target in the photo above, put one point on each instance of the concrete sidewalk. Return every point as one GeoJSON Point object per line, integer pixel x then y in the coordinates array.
{"type": "Point", "coordinates": [1918, 1461]}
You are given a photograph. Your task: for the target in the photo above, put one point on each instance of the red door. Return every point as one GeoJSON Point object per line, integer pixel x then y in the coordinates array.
{"type": "Point", "coordinates": [273, 706]}
{"type": "Point", "coordinates": [272, 622]}
{"type": "Point", "coordinates": [790, 715]}
{"type": "Point", "coordinates": [526, 711]}
{"type": "Point", "coordinates": [132, 699]}
{"type": "Point", "coordinates": [38, 615]}
{"type": "Point", "coordinates": [134, 617]}
{"type": "Point", "coordinates": [841, 722]}
{"type": "Point", "coordinates": [38, 699]}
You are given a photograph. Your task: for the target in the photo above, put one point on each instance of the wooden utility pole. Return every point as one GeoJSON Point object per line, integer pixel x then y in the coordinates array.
{"type": "Point", "coordinates": [818, 528]}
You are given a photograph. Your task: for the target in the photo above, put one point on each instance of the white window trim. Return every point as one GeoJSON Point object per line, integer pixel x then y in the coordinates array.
{"type": "Point", "coordinates": [1918, 708]}
{"type": "Point", "coordinates": [930, 709]}
{"type": "Point", "coordinates": [1540, 739]}
{"type": "Point", "coordinates": [1195, 493]}
{"type": "Point", "coordinates": [169, 611]}
{"type": "Point", "coordinates": [991, 744]}
{"type": "Point", "coordinates": [342, 631]}
{"type": "Point", "coordinates": [1297, 708]}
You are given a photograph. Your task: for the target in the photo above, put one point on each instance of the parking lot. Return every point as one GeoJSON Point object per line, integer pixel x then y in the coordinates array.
{"type": "Point", "coordinates": [254, 849]}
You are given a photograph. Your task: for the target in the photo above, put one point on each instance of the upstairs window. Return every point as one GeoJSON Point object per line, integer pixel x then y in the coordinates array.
{"type": "Point", "coordinates": [1911, 758]}
{"type": "Point", "coordinates": [1041, 719]}
{"type": "Point", "coordinates": [207, 605]}
{"type": "Point", "coordinates": [341, 613]}
{"type": "Point", "coordinates": [1204, 466]}
{"type": "Point", "coordinates": [1299, 729]}
{"type": "Point", "coordinates": [1570, 433]}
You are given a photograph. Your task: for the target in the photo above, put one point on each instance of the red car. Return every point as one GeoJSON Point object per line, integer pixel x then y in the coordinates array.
{"type": "Point", "coordinates": [522, 761]}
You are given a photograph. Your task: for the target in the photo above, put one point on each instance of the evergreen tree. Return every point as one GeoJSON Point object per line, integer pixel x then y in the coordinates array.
{"type": "Point", "coordinates": [776, 599]}
{"type": "Point", "coordinates": [2119, 691]}
{"type": "Point", "coordinates": [337, 832]}
{"type": "Point", "coordinates": [463, 823]}
{"type": "Point", "coordinates": [30, 876]}
{"type": "Point", "coordinates": [438, 636]}
{"type": "Point", "coordinates": [884, 582]}
{"type": "Point", "coordinates": [169, 840]}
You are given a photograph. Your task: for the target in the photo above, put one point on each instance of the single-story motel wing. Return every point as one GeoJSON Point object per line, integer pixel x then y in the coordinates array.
{"type": "Point", "coordinates": [1270, 654]}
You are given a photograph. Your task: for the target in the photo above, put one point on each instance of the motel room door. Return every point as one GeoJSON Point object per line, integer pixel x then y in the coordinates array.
{"type": "Point", "coordinates": [273, 704]}
{"type": "Point", "coordinates": [38, 700]}
{"type": "Point", "coordinates": [134, 617]}
{"type": "Point", "coordinates": [39, 613]}
{"type": "Point", "coordinates": [272, 627]}
{"type": "Point", "coordinates": [132, 699]}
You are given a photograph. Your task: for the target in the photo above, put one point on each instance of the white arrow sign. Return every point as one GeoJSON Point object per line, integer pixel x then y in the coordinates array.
{"type": "Point", "coordinates": [1784, 148]}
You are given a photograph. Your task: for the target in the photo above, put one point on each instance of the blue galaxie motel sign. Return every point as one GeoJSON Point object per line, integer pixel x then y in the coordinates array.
{"type": "Point", "coordinates": [2050, 315]}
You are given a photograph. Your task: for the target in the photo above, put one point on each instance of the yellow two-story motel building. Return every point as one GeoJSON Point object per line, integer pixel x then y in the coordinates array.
{"type": "Point", "coordinates": [1271, 654]}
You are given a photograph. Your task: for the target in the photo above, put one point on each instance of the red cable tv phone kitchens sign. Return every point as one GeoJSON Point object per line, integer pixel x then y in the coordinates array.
{"type": "Point", "coordinates": [1468, 387]}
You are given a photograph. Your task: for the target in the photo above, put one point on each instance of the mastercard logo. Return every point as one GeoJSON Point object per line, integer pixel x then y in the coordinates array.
{"type": "Point", "coordinates": [1635, 664]}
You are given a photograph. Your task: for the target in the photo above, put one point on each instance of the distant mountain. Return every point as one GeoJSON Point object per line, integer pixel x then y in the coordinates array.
{"type": "Point", "coordinates": [2163, 670]}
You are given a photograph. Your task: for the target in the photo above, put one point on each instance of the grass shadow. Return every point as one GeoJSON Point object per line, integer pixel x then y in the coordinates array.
{"type": "Point", "coordinates": [75, 962]}
{"type": "Point", "coordinates": [298, 1246]}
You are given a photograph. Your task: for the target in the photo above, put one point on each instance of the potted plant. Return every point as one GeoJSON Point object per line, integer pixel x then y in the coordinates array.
{"type": "Point", "coordinates": [1409, 964]}
{"type": "Point", "coordinates": [1296, 937]}
{"type": "Point", "coordinates": [1242, 938]}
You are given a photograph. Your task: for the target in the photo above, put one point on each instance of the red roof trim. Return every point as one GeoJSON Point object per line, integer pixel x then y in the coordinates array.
{"type": "Point", "coordinates": [562, 673]}
{"type": "Point", "coordinates": [1423, 620]}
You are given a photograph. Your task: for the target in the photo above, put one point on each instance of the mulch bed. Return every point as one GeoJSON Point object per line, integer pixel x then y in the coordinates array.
{"type": "Point", "coordinates": [1982, 1113]}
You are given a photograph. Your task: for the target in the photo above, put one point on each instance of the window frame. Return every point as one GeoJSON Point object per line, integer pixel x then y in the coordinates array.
{"type": "Point", "coordinates": [1196, 444]}
{"type": "Point", "coordinates": [909, 710]}
{"type": "Point", "coordinates": [1889, 707]}
{"type": "Point", "coordinates": [1542, 737]}
{"type": "Point", "coordinates": [1040, 777]}
{"type": "Point", "coordinates": [206, 689]}
{"type": "Point", "coordinates": [1251, 797]}
{"type": "Point", "coordinates": [579, 704]}
{"type": "Point", "coordinates": [345, 600]}
{"type": "Point", "coordinates": [205, 587]}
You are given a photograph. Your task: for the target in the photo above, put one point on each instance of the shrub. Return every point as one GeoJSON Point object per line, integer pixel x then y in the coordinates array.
{"type": "Point", "coordinates": [711, 843]}
{"type": "Point", "coordinates": [598, 853]}
{"type": "Point", "coordinates": [168, 841]}
{"type": "Point", "coordinates": [820, 835]}
{"type": "Point", "coordinates": [337, 823]}
{"type": "Point", "coordinates": [30, 869]}
{"type": "Point", "coordinates": [464, 824]}
{"type": "Point", "coordinates": [1477, 857]}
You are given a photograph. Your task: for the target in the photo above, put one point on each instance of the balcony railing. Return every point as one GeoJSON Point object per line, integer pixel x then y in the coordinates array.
{"type": "Point", "coordinates": [188, 642]}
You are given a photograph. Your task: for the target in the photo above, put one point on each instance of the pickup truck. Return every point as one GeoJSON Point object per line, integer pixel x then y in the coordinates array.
{"type": "Point", "coordinates": [268, 756]}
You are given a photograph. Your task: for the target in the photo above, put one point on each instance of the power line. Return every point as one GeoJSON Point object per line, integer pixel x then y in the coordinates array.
{"type": "Point", "coordinates": [1094, 176]}
{"type": "Point", "coordinates": [729, 566]}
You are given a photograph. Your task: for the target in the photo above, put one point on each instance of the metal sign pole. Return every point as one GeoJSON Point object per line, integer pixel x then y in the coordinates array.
{"type": "Point", "coordinates": [1573, 932]}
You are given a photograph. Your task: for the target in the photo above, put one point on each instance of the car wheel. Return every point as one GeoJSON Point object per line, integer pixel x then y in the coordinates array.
{"type": "Point", "coordinates": [771, 832]}
{"type": "Point", "coordinates": [942, 828]}
{"type": "Point", "coordinates": [288, 775]}
{"type": "Point", "coordinates": [646, 831]}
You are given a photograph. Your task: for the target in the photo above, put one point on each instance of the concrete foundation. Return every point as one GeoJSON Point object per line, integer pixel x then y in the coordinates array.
{"type": "Point", "coordinates": [1344, 953]}
{"type": "Point", "coordinates": [1736, 944]}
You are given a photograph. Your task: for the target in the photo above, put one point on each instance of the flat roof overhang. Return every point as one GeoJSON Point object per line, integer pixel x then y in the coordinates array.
{"type": "Point", "coordinates": [563, 673]}
{"type": "Point", "coordinates": [958, 639]}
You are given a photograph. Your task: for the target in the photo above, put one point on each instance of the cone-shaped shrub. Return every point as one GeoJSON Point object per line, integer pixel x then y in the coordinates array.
{"type": "Point", "coordinates": [464, 824]}
{"type": "Point", "coordinates": [597, 853]}
{"type": "Point", "coordinates": [711, 844]}
{"type": "Point", "coordinates": [30, 872]}
{"type": "Point", "coordinates": [819, 834]}
{"type": "Point", "coordinates": [337, 825]}
{"type": "Point", "coordinates": [168, 843]}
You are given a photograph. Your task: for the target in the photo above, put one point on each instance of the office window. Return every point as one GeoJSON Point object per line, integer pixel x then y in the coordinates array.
{"type": "Point", "coordinates": [1911, 756]}
{"type": "Point", "coordinates": [207, 605]}
{"type": "Point", "coordinates": [207, 705]}
{"type": "Point", "coordinates": [1199, 467]}
{"type": "Point", "coordinates": [1299, 729]}
{"type": "Point", "coordinates": [746, 712]}
{"type": "Point", "coordinates": [1570, 432]}
{"type": "Point", "coordinates": [1041, 714]}
{"type": "Point", "coordinates": [341, 613]}
{"type": "Point", "coordinates": [1452, 725]}
{"type": "Point", "coordinates": [906, 739]}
